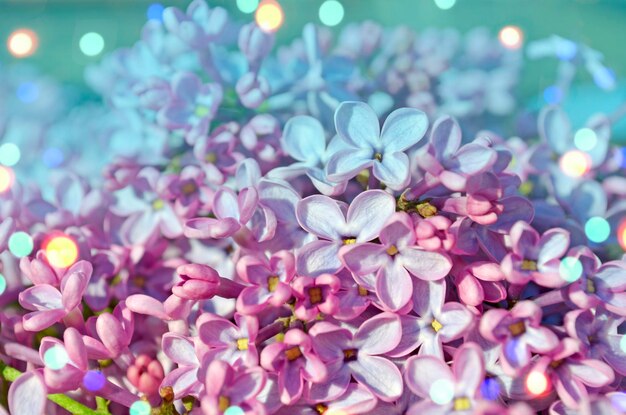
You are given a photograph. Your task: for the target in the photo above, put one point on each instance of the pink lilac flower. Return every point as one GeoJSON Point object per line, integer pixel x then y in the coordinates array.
{"type": "Point", "coordinates": [357, 124]}
{"type": "Point", "coordinates": [184, 352]}
{"type": "Point", "coordinates": [360, 356]}
{"type": "Point", "coordinates": [394, 260]}
{"type": "Point", "coordinates": [325, 218]}
{"type": "Point", "coordinates": [226, 341]}
{"type": "Point", "coordinates": [356, 400]}
{"type": "Point", "coordinates": [520, 332]}
{"type": "Point", "coordinates": [295, 361]}
{"type": "Point", "coordinates": [316, 296]}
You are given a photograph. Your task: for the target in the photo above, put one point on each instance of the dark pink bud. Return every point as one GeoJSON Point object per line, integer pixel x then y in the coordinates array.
{"type": "Point", "coordinates": [198, 282]}
{"type": "Point", "coordinates": [146, 374]}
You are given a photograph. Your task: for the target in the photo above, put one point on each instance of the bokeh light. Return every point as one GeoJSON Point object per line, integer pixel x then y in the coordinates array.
{"type": "Point", "coordinates": [622, 343]}
{"type": "Point", "coordinates": [247, 6]}
{"type": "Point", "coordinates": [27, 92]}
{"type": "Point", "coordinates": [445, 4]}
{"type": "Point", "coordinates": [490, 389]}
{"type": "Point", "coordinates": [140, 408]}
{"type": "Point", "coordinates": [536, 383]}
{"type": "Point", "coordinates": [621, 234]}
{"type": "Point", "coordinates": [575, 163]}
{"type": "Point", "coordinates": [441, 391]}
{"type": "Point", "coordinates": [511, 37]}
{"type": "Point", "coordinates": [22, 43]}
{"type": "Point", "coordinates": [269, 15]}
{"type": "Point", "coordinates": [570, 269]}
{"type": "Point", "coordinates": [91, 44]}
{"type": "Point", "coordinates": [61, 251]}
{"type": "Point", "coordinates": [52, 157]}
{"type": "Point", "coordinates": [597, 229]}
{"type": "Point", "coordinates": [3, 284]}
{"type": "Point", "coordinates": [20, 244]}
{"type": "Point", "coordinates": [331, 12]}
{"type": "Point", "coordinates": [56, 358]}
{"type": "Point", "coordinates": [94, 380]}
{"type": "Point", "coordinates": [553, 94]}
{"type": "Point", "coordinates": [7, 177]}
{"type": "Point", "coordinates": [9, 154]}
{"type": "Point", "coordinates": [155, 12]}
{"type": "Point", "coordinates": [234, 410]}
{"type": "Point", "coordinates": [585, 139]}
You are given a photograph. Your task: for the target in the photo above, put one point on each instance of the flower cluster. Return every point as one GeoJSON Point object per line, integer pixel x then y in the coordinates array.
{"type": "Point", "coordinates": [313, 232]}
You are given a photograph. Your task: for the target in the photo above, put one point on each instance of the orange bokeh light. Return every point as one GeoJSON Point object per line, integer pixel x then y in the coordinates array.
{"type": "Point", "coordinates": [511, 37]}
{"type": "Point", "coordinates": [537, 383]}
{"type": "Point", "coordinates": [575, 163]}
{"type": "Point", "coordinates": [61, 251]}
{"type": "Point", "coordinates": [7, 177]}
{"type": "Point", "coordinates": [22, 43]}
{"type": "Point", "coordinates": [621, 234]}
{"type": "Point", "coordinates": [269, 15]}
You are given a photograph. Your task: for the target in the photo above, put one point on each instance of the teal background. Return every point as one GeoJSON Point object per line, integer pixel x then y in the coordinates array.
{"type": "Point", "coordinates": [601, 24]}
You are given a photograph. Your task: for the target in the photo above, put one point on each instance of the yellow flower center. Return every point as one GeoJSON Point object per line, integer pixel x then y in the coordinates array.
{"type": "Point", "coordinates": [392, 250]}
{"type": "Point", "coordinates": [320, 408]}
{"type": "Point", "coordinates": [556, 363]}
{"type": "Point", "coordinates": [526, 187]}
{"type": "Point", "coordinates": [223, 403]}
{"type": "Point", "coordinates": [436, 325]}
{"type": "Point", "coordinates": [378, 156]}
{"type": "Point", "coordinates": [462, 404]}
{"type": "Point", "coordinates": [517, 329]}
{"type": "Point", "coordinates": [139, 281]}
{"type": "Point", "coordinates": [591, 287]}
{"type": "Point", "coordinates": [426, 210]}
{"type": "Point", "coordinates": [242, 344]}
{"type": "Point", "coordinates": [158, 204]}
{"type": "Point", "coordinates": [362, 291]}
{"type": "Point", "coordinates": [349, 355]}
{"type": "Point", "coordinates": [272, 283]}
{"type": "Point", "coordinates": [293, 353]}
{"type": "Point", "coordinates": [210, 158]}
{"type": "Point", "coordinates": [315, 294]}
{"type": "Point", "coordinates": [189, 188]}
{"type": "Point", "coordinates": [529, 265]}
{"type": "Point", "coordinates": [349, 241]}
{"type": "Point", "coordinates": [202, 111]}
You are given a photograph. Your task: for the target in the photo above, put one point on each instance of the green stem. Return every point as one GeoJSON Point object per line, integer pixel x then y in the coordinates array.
{"type": "Point", "coordinates": [10, 374]}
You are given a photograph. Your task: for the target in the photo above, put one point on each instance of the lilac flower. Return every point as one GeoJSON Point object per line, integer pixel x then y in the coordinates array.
{"type": "Point", "coordinates": [571, 373]}
{"type": "Point", "coordinates": [480, 282]}
{"type": "Point", "coordinates": [357, 124]}
{"type": "Point", "coordinates": [225, 387]}
{"type": "Point", "coordinates": [358, 355]}
{"type": "Point", "coordinates": [70, 376]}
{"type": "Point", "coordinates": [50, 305]}
{"type": "Point", "coordinates": [192, 106]}
{"type": "Point", "coordinates": [445, 161]}
{"type": "Point", "coordinates": [110, 334]}
{"type": "Point", "coordinates": [520, 333]}
{"type": "Point", "coordinates": [27, 394]}
{"type": "Point", "coordinates": [438, 322]}
{"type": "Point", "coordinates": [598, 335]}
{"type": "Point", "coordinates": [270, 281]}
{"type": "Point", "coordinates": [216, 153]}
{"type": "Point", "coordinates": [184, 352]}
{"type": "Point", "coordinates": [295, 361]}
{"type": "Point", "coordinates": [433, 233]}
{"type": "Point", "coordinates": [598, 284]}
{"type": "Point", "coordinates": [356, 400]}
{"type": "Point", "coordinates": [534, 257]}
{"type": "Point", "coordinates": [146, 374]}
{"type": "Point", "coordinates": [226, 341]}
{"type": "Point", "coordinates": [428, 376]}
{"type": "Point", "coordinates": [394, 259]}
{"type": "Point", "coordinates": [325, 218]}
{"type": "Point", "coordinates": [199, 26]}
{"type": "Point", "coordinates": [316, 296]}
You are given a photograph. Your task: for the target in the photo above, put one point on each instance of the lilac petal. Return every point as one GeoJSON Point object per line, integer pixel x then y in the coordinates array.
{"type": "Point", "coordinates": [321, 216]}
{"type": "Point", "coordinates": [218, 332]}
{"type": "Point", "coordinates": [144, 304]}
{"type": "Point", "coordinates": [303, 139]}
{"type": "Point", "coordinates": [73, 287]}
{"type": "Point", "coordinates": [380, 376]}
{"type": "Point", "coordinates": [315, 370]}
{"type": "Point", "coordinates": [424, 264]}
{"type": "Point", "coordinates": [554, 244]}
{"type": "Point", "coordinates": [226, 204]}
{"type": "Point", "coordinates": [179, 349]}
{"type": "Point", "coordinates": [355, 400]}
{"type": "Point", "coordinates": [394, 286]}
{"type": "Point", "coordinates": [421, 372]}
{"type": "Point", "coordinates": [411, 328]}
{"type": "Point", "coordinates": [428, 296]}
{"type": "Point", "coordinates": [541, 339]}
{"type": "Point", "coordinates": [515, 208]}
{"type": "Point", "coordinates": [329, 340]}
{"type": "Point", "coordinates": [363, 258]}
{"type": "Point", "coordinates": [290, 384]}
{"type": "Point", "coordinates": [41, 297]}
{"type": "Point", "coordinates": [571, 391]}
{"type": "Point", "coordinates": [523, 237]}
{"type": "Point", "coordinates": [469, 368]}
{"type": "Point", "coordinates": [613, 274]}
{"type": "Point", "coordinates": [393, 170]}
{"type": "Point", "coordinates": [186, 86]}
{"type": "Point", "coordinates": [615, 356]}
{"type": "Point", "coordinates": [378, 334]}
{"type": "Point", "coordinates": [403, 128]}
{"type": "Point", "coordinates": [368, 213]}
{"type": "Point", "coordinates": [445, 137]}
{"type": "Point", "coordinates": [345, 164]}
{"type": "Point", "coordinates": [455, 319]}
{"type": "Point", "coordinates": [555, 129]}
{"type": "Point", "coordinates": [592, 372]}
{"type": "Point", "coordinates": [587, 200]}
{"type": "Point", "coordinates": [399, 231]}
{"type": "Point", "coordinates": [182, 380]}
{"type": "Point", "coordinates": [111, 333]}
{"type": "Point", "coordinates": [318, 257]}
{"type": "Point", "coordinates": [27, 394]}
{"type": "Point", "coordinates": [211, 228]}
{"type": "Point", "coordinates": [429, 407]}
{"type": "Point", "coordinates": [474, 158]}
{"type": "Point", "coordinates": [357, 124]}
{"type": "Point", "coordinates": [247, 386]}
{"type": "Point", "coordinates": [40, 320]}
{"type": "Point", "coordinates": [252, 300]}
